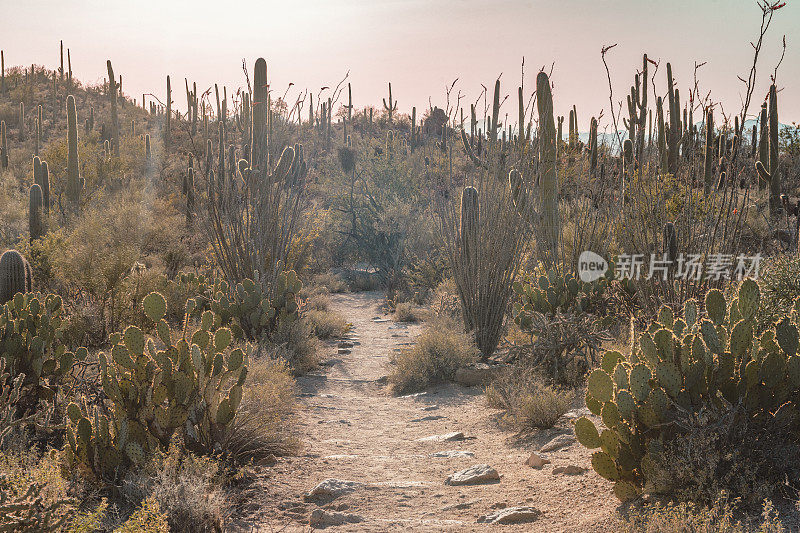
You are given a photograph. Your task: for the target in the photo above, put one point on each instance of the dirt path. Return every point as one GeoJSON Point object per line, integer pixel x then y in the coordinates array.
{"type": "Point", "coordinates": [353, 430]}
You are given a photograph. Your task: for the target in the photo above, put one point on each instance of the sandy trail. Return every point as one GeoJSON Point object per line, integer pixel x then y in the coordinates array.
{"type": "Point", "coordinates": [354, 430]}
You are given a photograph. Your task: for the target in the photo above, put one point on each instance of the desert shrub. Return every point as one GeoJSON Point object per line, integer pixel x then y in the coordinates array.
{"type": "Point", "coordinates": [148, 518]}
{"type": "Point", "coordinates": [440, 350]}
{"type": "Point", "coordinates": [779, 281]}
{"type": "Point", "coordinates": [294, 343]}
{"type": "Point", "coordinates": [444, 302]}
{"type": "Point", "coordinates": [263, 425]}
{"type": "Point", "coordinates": [186, 488]}
{"type": "Point", "coordinates": [700, 404]}
{"type": "Point", "coordinates": [721, 517]}
{"type": "Point", "coordinates": [528, 400]}
{"type": "Point", "coordinates": [327, 324]}
{"type": "Point", "coordinates": [333, 283]}
{"type": "Point", "coordinates": [405, 312]}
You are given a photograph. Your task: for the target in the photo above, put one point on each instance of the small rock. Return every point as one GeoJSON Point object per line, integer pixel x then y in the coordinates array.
{"type": "Point", "coordinates": [428, 418]}
{"type": "Point", "coordinates": [343, 351]}
{"type": "Point", "coordinates": [479, 374]}
{"type": "Point", "coordinates": [453, 453]}
{"type": "Point", "coordinates": [577, 413]}
{"type": "Point", "coordinates": [456, 435]}
{"type": "Point", "coordinates": [430, 408]}
{"type": "Point", "coordinates": [558, 442]}
{"type": "Point", "coordinates": [320, 518]}
{"type": "Point", "coordinates": [499, 505]}
{"type": "Point", "coordinates": [536, 461]}
{"type": "Point", "coordinates": [511, 515]}
{"type": "Point", "coordinates": [474, 475]}
{"type": "Point", "coordinates": [333, 488]}
{"type": "Point", "coordinates": [415, 395]}
{"type": "Point", "coordinates": [570, 470]}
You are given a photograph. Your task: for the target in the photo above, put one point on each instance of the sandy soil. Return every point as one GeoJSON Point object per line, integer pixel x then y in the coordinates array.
{"type": "Point", "coordinates": [354, 430]}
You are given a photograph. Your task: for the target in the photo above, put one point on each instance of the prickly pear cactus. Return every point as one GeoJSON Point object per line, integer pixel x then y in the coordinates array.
{"type": "Point", "coordinates": [686, 369]}
{"type": "Point", "coordinates": [159, 387]}
{"type": "Point", "coordinates": [31, 327]}
{"type": "Point", "coordinates": [552, 292]}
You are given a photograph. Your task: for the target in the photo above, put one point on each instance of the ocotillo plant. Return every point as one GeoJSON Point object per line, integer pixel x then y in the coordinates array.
{"type": "Point", "coordinates": [15, 275]}
{"type": "Point", "coordinates": [391, 106]}
{"type": "Point", "coordinates": [112, 94]}
{"type": "Point", "coordinates": [35, 218]}
{"type": "Point", "coordinates": [772, 176]}
{"type": "Point", "coordinates": [73, 179]}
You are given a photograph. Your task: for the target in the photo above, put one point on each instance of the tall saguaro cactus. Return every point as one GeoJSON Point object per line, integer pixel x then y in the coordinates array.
{"type": "Point", "coordinates": [168, 116]}
{"type": "Point", "coordinates": [593, 147]}
{"type": "Point", "coordinates": [391, 106]}
{"type": "Point", "coordinates": [708, 173]}
{"type": "Point", "coordinates": [3, 145]}
{"type": "Point", "coordinates": [73, 179]}
{"type": "Point", "coordinates": [771, 176]}
{"type": "Point", "coordinates": [259, 142]}
{"type": "Point", "coordinates": [15, 275]}
{"type": "Point", "coordinates": [548, 179]}
{"type": "Point", "coordinates": [112, 94]}
{"type": "Point", "coordinates": [675, 130]}
{"type": "Point", "coordinates": [35, 218]}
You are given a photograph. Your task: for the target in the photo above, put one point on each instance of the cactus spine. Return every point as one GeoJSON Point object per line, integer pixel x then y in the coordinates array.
{"type": "Point", "coordinates": [15, 275]}
{"type": "Point", "coordinates": [112, 94]}
{"type": "Point", "coordinates": [548, 180]}
{"type": "Point", "coordinates": [73, 180]}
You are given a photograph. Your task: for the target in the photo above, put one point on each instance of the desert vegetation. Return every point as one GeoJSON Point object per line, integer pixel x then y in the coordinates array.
{"type": "Point", "coordinates": [175, 277]}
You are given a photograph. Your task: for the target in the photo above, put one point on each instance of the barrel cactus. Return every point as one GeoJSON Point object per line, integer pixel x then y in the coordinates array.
{"type": "Point", "coordinates": [696, 369]}
{"type": "Point", "coordinates": [15, 275]}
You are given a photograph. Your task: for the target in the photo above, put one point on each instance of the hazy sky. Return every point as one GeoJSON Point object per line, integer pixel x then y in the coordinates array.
{"type": "Point", "coordinates": [421, 46]}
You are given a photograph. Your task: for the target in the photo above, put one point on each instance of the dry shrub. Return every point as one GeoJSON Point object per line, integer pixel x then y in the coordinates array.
{"type": "Point", "coordinates": [779, 282]}
{"type": "Point", "coordinates": [263, 424]}
{"type": "Point", "coordinates": [333, 283]}
{"type": "Point", "coordinates": [327, 324]}
{"type": "Point", "coordinates": [529, 402]}
{"type": "Point", "coordinates": [440, 350]}
{"type": "Point", "coordinates": [670, 517]}
{"type": "Point", "coordinates": [148, 518]}
{"type": "Point", "coordinates": [444, 301]}
{"type": "Point", "coordinates": [186, 488]}
{"type": "Point", "coordinates": [748, 459]}
{"type": "Point", "coordinates": [405, 312]}
{"type": "Point", "coordinates": [294, 343]}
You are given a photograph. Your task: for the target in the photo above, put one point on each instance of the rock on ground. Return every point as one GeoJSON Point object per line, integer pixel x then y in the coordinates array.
{"type": "Point", "coordinates": [456, 435]}
{"type": "Point", "coordinates": [511, 515]}
{"type": "Point", "coordinates": [453, 453]}
{"type": "Point", "coordinates": [333, 488]}
{"type": "Point", "coordinates": [320, 518]}
{"type": "Point", "coordinates": [537, 462]}
{"type": "Point", "coordinates": [558, 442]}
{"type": "Point", "coordinates": [474, 475]}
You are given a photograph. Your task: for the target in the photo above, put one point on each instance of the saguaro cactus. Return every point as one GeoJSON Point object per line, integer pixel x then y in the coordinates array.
{"type": "Point", "coordinates": [43, 182]}
{"type": "Point", "coordinates": [3, 145]}
{"type": "Point", "coordinates": [708, 173]}
{"type": "Point", "coordinates": [391, 107]}
{"type": "Point", "coordinates": [35, 219]}
{"type": "Point", "coordinates": [548, 179]}
{"type": "Point", "coordinates": [674, 136]}
{"type": "Point", "coordinates": [15, 275]}
{"type": "Point", "coordinates": [112, 94]}
{"type": "Point", "coordinates": [22, 121]}
{"type": "Point", "coordinates": [771, 176]}
{"type": "Point", "coordinates": [73, 179]}
{"type": "Point", "coordinates": [470, 216]}
{"type": "Point", "coordinates": [258, 148]}
{"type": "Point", "coordinates": [168, 116]}
{"type": "Point", "coordinates": [593, 147]}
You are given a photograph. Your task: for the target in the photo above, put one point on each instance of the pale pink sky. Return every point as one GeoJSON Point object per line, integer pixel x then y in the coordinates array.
{"type": "Point", "coordinates": [419, 45]}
